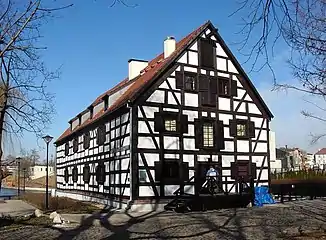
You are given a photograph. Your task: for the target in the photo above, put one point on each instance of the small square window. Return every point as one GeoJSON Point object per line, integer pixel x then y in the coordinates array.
{"type": "Point", "coordinates": [208, 135]}
{"type": "Point", "coordinates": [170, 125]}
{"type": "Point", "coordinates": [241, 130]}
{"type": "Point", "coordinates": [142, 176]}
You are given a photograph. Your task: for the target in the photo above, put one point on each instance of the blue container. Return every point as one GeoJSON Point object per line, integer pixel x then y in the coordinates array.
{"type": "Point", "coordinates": [262, 196]}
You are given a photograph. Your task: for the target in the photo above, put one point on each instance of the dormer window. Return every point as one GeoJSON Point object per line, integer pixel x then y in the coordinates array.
{"type": "Point", "coordinates": [90, 108]}
{"type": "Point", "coordinates": [106, 102]}
{"type": "Point", "coordinates": [207, 53]}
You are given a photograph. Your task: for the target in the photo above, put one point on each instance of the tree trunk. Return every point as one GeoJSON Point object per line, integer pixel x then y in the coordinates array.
{"type": "Point", "coordinates": [2, 118]}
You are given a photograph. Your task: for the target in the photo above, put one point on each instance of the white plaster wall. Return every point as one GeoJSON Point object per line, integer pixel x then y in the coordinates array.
{"type": "Point", "coordinates": [157, 96]}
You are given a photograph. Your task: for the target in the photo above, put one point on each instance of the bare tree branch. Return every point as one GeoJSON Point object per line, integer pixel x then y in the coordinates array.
{"type": "Point", "coordinates": [298, 24]}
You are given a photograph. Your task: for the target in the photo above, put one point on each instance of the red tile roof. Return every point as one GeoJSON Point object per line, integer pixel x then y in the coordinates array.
{"type": "Point", "coordinates": [154, 67]}
{"type": "Point", "coordinates": [321, 151]}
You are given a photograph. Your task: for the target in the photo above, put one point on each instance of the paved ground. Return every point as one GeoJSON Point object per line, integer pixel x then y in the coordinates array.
{"type": "Point", "coordinates": [15, 208]}
{"type": "Point", "coordinates": [273, 222]}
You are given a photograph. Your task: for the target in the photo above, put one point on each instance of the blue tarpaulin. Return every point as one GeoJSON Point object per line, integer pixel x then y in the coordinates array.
{"type": "Point", "coordinates": [262, 196]}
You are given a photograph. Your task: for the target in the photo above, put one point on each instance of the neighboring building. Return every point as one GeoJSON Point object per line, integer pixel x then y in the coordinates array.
{"type": "Point", "coordinates": [38, 171]}
{"type": "Point", "coordinates": [320, 158]}
{"type": "Point", "coordinates": [191, 106]}
{"type": "Point", "coordinates": [275, 164]}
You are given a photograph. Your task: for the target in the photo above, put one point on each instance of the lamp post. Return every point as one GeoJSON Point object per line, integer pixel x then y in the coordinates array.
{"type": "Point", "coordinates": [24, 171]}
{"type": "Point", "coordinates": [47, 139]}
{"type": "Point", "coordinates": [18, 159]}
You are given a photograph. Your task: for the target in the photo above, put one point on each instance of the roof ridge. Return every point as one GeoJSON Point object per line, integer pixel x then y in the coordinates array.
{"type": "Point", "coordinates": [150, 72]}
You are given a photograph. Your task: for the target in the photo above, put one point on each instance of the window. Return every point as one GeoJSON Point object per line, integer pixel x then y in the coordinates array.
{"type": "Point", "coordinates": [186, 81]}
{"type": "Point", "coordinates": [86, 140]}
{"type": "Point", "coordinates": [242, 128]}
{"type": "Point", "coordinates": [66, 175]}
{"type": "Point", "coordinates": [41, 170]}
{"type": "Point", "coordinates": [223, 86]}
{"type": "Point", "coordinates": [208, 135]}
{"type": "Point", "coordinates": [86, 174]}
{"type": "Point", "coordinates": [100, 173]}
{"type": "Point", "coordinates": [142, 176]}
{"type": "Point", "coordinates": [208, 90]}
{"type": "Point", "coordinates": [169, 172]}
{"type": "Point", "coordinates": [207, 53]}
{"type": "Point", "coordinates": [75, 174]}
{"type": "Point", "coordinates": [190, 83]}
{"type": "Point", "coordinates": [75, 145]}
{"type": "Point", "coordinates": [170, 125]}
{"type": "Point", "coordinates": [67, 149]}
{"type": "Point", "coordinates": [101, 135]}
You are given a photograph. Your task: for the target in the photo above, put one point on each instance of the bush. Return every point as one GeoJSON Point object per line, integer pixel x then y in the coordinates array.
{"type": "Point", "coordinates": [300, 174]}
{"type": "Point", "coordinates": [59, 204]}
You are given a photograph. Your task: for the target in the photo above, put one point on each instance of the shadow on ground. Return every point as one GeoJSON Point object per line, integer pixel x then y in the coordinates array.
{"type": "Point", "coordinates": [254, 223]}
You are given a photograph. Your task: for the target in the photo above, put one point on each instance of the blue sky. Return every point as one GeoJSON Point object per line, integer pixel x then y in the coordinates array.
{"type": "Point", "coordinates": [93, 42]}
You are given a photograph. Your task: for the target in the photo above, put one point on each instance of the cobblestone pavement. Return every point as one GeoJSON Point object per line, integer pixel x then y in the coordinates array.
{"type": "Point", "coordinates": [298, 219]}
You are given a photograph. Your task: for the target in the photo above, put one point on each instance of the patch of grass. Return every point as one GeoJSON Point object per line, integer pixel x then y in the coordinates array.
{"type": "Point", "coordinates": [59, 204]}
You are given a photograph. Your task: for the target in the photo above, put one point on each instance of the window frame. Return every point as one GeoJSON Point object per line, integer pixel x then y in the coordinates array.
{"type": "Point", "coordinates": [75, 174]}
{"type": "Point", "coordinates": [161, 117]}
{"type": "Point", "coordinates": [218, 134]}
{"type": "Point", "coordinates": [66, 175]}
{"type": "Point", "coordinates": [203, 42]}
{"type": "Point", "coordinates": [181, 82]}
{"type": "Point", "coordinates": [208, 86]}
{"type": "Point", "coordinates": [67, 148]}
{"type": "Point", "coordinates": [100, 173]}
{"type": "Point", "coordinates": [86, 140]}
{"type": "Point", "coordinates": [101, 134]}
{"type": "Point", "coordinates": [211, 125]}
{"type": "Point", "coordinates": [160, 170]}
{"type": "Point", "coordinates": [222, 83]}
{"type": "Point", "coordinates": [139, 176]}
{"type": "Point", "coordinates": [249, 131]}
{"type": "Point", "coordinates": [75, 145]}
{"type": "Point", "coordinates": [86, 178]}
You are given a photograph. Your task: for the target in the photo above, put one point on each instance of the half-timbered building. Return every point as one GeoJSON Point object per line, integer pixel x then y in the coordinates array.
{"type": "Point", "coordinates": [172, 117]}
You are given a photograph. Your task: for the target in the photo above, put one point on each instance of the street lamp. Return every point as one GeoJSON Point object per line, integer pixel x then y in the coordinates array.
{"type": "Point", "coordinates": [18, 159]}
{"type": "Point", "coordinates": [24, 171]}
{"type": "Point", "coordinates": [47, 139]}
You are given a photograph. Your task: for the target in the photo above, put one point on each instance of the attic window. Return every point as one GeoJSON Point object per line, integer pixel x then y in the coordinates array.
{"type": "Point", "coordinates": [206, 53]}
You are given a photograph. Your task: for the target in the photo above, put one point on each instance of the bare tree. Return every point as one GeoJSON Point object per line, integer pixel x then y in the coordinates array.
{"type": "Point", "coordinates": [25, 103]}
{"type": "Point", "coordinates": [301, 25]}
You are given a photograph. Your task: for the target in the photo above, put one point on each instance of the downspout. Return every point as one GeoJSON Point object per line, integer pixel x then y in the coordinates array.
{"type": "Point", "coordinates": [130, 202]}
